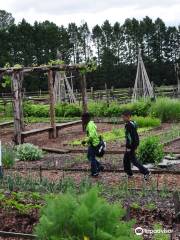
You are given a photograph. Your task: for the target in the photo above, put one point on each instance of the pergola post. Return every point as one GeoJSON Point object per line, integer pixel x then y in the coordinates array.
{"type": "Point", "coordinates": [84, 98]}
{"type": "Point", "coordinates": [52, 102]}
{"type": "Point", "coordinates": [16, 86]}
{"type": "Point", "coordinates": [84, 93]}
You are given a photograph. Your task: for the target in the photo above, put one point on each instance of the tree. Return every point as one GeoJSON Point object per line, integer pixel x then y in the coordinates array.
{"type": "Point", "coordinates": [85, 39]}
{"type": "Point", "coordinates": [6, 20]}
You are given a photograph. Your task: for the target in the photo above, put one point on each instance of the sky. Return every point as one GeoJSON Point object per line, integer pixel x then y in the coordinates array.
{"type": "Point", "coordinates": [93, 12]}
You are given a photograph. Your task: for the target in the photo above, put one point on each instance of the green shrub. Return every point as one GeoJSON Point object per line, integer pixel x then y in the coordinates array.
{"type": "Point", "coordinates": [85, 216]}
{"type": "Point", "coordinates": [8, 156]}
{"type": "Point", "coordinates": [147, 121]}
{"type": "Point", "coordinates": [150, 150]}
{"type": "Point", "coordinates": [72, 110]}
{"type": "Point", "coordinates": [160, 235]}
{"type": "Point", "coordinates": [168, 110]}
{"type": "Point", "coordinates": [28, 152]}
{"type": "Point", "coordinates": [97, 109]}
{"type": "Point", "coordinates": [36, 110]}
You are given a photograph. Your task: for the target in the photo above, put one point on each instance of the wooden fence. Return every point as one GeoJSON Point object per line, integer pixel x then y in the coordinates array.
{"type": "Point", "coordinates": [122, 95]}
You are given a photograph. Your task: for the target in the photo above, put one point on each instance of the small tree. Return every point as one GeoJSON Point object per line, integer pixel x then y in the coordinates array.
{"type": "Point", "coordinates": [150, 150]}
{"type": "Point", "coordinates": [83, 217]}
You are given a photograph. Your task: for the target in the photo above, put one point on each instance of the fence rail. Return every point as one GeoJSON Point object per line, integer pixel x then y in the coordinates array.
{"type": "Point", "coordinates": [123, 95]}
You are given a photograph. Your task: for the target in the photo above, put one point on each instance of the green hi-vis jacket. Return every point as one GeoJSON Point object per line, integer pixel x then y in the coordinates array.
{"type": "Point", "coordinates": [92, 134]}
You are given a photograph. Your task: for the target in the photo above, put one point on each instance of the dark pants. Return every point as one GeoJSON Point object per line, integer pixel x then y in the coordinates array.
{"type": "Point", "coordinates": [95, 165]}
{"type": "Point", "coordinates": [130, 157]}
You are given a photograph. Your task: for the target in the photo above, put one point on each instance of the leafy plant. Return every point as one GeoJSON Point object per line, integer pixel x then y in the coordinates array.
{"type": "Point", "coordinates": [150, 150]}
{"type": "Point", "coordinates": [135, 205]}
{"type": "Point", "coordinates": [160, 235]}
{"type": "Point", "coordinates": [8, 156]}
{"type": "Point", "coordinates": [29, 152]}
{"type": "Point", "coordinates": [88, 215]}
{"type": "Point", "coordinates": [150, 206]}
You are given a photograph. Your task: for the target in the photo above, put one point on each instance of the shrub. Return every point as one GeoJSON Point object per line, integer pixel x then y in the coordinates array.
{"type": "Point", "coordinates": [147, 121]}
{"type": "Point", "coordinates": [97, 109]}
{"type": "Point", "coordinates": [8, 156]}
{"type": "Point", "coordinates": [166, 109]}
{"type": "Point", "coordinates": [150, 150]}
{"type": "Point", "coordinates": [28, 152]}
{"type": "Point", "coordinates": [85, 216]}
{"type": "Point", "coordinates": [72, 110]}
{"type": "Point", "coordinates": [36, 110]}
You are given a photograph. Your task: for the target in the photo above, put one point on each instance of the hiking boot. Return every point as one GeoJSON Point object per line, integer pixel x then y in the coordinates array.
{"type": "Point", "coordinates": [147, 176]}
{"type": "Point", "coordinates": [101, 168]}
{"type": "Point", "coordinates": [94, 174]}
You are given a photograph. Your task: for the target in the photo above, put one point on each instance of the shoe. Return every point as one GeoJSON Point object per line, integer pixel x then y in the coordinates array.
{"type": "Point", "coordinates": [147, 176]}
{"type": "Point", "coordinates": [95, 174]}
{"type": "Point", "coordinates": [130, 176]}
{"type": "Point", "coordinates": [101, 168]}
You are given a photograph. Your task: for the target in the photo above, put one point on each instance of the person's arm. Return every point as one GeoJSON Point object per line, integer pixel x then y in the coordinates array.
{"type": "Point", "coordinates": [133, 137]}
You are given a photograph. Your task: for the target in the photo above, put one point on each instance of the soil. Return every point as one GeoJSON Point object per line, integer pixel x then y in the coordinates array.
{"type": "Point", "coordinates": [13, 221]}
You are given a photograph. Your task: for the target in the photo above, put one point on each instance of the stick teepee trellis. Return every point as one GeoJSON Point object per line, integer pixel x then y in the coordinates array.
{"type": "Point", "coordinates": [142, 87]}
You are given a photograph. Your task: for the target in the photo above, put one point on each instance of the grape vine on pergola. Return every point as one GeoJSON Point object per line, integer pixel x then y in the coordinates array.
{"type": "Point", "coordinates": [17, 78]}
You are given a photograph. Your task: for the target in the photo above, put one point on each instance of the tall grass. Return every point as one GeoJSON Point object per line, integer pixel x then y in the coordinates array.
{"type": "Point", "coordinates": [168, 110]}
{"type": "Point", "coordinates": [147, 121]}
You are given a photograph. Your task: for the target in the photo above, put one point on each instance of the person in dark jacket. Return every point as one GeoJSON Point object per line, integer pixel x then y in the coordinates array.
{"type": "Point", "coordinates": [93, 141]}
{"type": "Point", "coordinates": [132, 143]}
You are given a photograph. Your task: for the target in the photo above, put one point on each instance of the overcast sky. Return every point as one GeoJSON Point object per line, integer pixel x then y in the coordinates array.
{"type": "Point", "coordinates": [93, 11]}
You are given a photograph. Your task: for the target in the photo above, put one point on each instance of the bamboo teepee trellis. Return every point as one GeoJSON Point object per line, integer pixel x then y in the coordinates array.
{"type": "Point", "coordinates": [142, 86]}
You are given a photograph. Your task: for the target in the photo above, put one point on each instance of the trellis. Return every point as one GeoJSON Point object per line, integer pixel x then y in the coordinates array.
{"type": "Point", "coordinates": [142, 87]}
{"type": "Point", "coordinates": [17, 76]}
{"type": "Point", "coordinates": [64, 88]}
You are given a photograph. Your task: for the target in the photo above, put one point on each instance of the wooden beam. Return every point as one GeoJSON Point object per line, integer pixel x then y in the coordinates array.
{"type": "Point", "coordinates": [17, 106]}
{"type": "Point", "coordinates": [46, 68]}
{"type": "Point", "coordinates": [52, 102]}
{"type": "Point", "coordinates": [84, 93]}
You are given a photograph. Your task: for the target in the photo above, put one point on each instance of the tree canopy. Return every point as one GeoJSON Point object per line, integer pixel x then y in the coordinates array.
{"type": "Point", "coordinates": [113, 46]}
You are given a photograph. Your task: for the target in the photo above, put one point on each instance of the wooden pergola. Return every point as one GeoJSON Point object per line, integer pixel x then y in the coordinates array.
{"type": "Point", "coordinates": [17, 77]}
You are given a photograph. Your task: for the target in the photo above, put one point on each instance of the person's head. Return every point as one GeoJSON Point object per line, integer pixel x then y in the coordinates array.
{"type": "Point", "coordinates": [86, 117]}
{"type": "Point", "coordinates": [126, 115]}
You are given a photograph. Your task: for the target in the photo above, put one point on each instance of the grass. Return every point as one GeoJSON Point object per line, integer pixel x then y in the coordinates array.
{"type": "Point", "coordinates": [114, 135]}
{"type": "Point", "coordinates": [168, 110]}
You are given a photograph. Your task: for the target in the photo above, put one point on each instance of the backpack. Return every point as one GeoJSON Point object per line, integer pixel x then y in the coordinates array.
{"type": "Point", "coordinates": [101, 148]}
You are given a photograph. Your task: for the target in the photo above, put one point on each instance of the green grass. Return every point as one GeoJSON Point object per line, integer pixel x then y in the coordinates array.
{"type": "Point", "coordinates": [168, 110]}
{"type": "Point", "coordinates": [114, 135]}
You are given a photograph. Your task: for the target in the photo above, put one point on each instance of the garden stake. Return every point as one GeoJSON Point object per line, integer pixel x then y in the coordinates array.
{"type": "Point", "coordinates": [1, 171]}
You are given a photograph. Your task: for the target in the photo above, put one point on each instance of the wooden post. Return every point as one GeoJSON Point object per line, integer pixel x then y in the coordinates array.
{"type": "Point", "coordinates": [107, 94]}
{"type": "Point", "coordinates": [177, 69]}
{"type": "Point", "coordinates": [84, 93]}
{"type": "Point", "coordinates": [17, 78]}
{"type": "Point", "coordinates": [92, 93]}
{"type": "Point", "coordinates": [1, 172]}
{"type": "Point", "coordinates": [52, 103]}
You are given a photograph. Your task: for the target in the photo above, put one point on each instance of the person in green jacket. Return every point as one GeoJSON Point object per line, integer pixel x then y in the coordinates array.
{"type": "Point", "coordinates": [93, 141]}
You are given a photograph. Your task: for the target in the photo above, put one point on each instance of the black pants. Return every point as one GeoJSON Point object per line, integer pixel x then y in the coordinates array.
{"type": "Point", "coordinates": [130, 157]}
{"type": "Point", "coordinates": [95, 165]}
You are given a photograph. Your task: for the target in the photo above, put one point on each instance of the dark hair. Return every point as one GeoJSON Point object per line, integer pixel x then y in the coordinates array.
{"type": "Point", "coordinates": [126, 113]}
{"type": "Point", "coordinates": [86, 116]}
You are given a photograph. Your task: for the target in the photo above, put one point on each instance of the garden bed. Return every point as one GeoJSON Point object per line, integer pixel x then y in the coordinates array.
{"type": "Point", "coordinates": [146, 207]}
